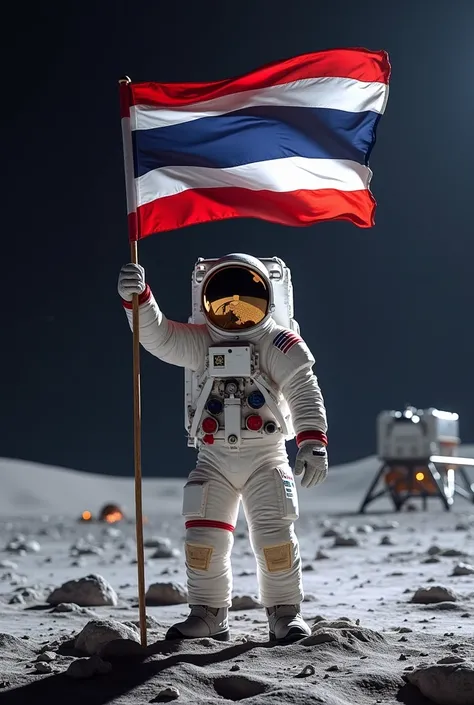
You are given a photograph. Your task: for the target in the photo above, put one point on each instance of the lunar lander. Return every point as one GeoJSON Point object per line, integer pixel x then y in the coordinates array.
{"type": "Point", "coordinates": [418, 452]}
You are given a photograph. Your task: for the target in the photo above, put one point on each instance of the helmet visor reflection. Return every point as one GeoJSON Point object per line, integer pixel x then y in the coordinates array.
{"type": "Point", "coordinates": [235, 298]}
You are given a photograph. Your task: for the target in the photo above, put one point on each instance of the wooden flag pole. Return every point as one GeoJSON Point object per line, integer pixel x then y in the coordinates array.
{"type": "Point", "coordinates": [137, 437]}
{"type": "Point", "coordinates": [124, 84]}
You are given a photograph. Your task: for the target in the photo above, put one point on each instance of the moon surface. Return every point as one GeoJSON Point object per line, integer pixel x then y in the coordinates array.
{"type": "Point", "coordinates": [389, 596]}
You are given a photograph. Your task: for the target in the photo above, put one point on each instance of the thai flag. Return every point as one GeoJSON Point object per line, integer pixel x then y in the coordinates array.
{"type": "Point", "coordinates": [287, 143]}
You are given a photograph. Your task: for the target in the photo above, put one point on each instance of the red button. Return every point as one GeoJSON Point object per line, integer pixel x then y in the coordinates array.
{"type": "Point", "coordinates": [208, 440]}
{"type": "Point", "coordinates": [254, 422]}
{"type": "Point", "coordinates": [209, 425]}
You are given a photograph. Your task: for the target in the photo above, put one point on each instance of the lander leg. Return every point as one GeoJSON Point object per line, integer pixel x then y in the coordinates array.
{"type": "Point", "coordinates": [468, 490]}
{"type": "Point", "coordinates": [370, 496]}
{"type": "Point", "coordinates": [411, 489]}
{"type": "Point", "coordinates": [454, 468]}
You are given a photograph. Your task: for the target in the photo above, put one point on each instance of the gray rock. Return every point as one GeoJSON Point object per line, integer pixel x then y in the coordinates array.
{"type": "Point", "coordinates": [385, 526]}
{"type": "Point", "coordinates": [17, 600]}
{"type": "Point", "coordinates": [8, 565]}
{"type": "Point", "coordinates": [463, 569]}
{"type": "Point", "coordinates": [345, 541]}
{"type": "Point", "coordinates": [342, 631]}
{"type": "Point", "coordinates": [244, 602]}
{"type": "Point", "coordinates": [461, 527]}
{"type": "Point", "coordinates": [156, 542]}
{"type": "Point", "coordinates": [451, 659]}
{"type": "Point", "coordinates": [91, 591]}
{"type": "Point", "coordinates": [386, 541]}
{"type": "Point", "coordinates": [433, 550]}
{"type": "Point", "coordinates": [88, 667]}
{"type": "Point", "coordinates": [450, 684]}
{"type": "Point", "coordinates": [433, 594]}
{"type": "Point", "coordinates": [451, 553]}
{"type": "Point", "coordinates": [46, 656]}
{"type": "Point", "coordinates": [21, 545]}
{"type": "Point", "coordinates": [169, 693]}
{"type": "Point", "coordinates": [330, 533]}
{"type": "Point", "coordinates": [321, 556]}
{"type": "Point", "coordinates": [81, 548]}
{"type": "Point", "coordinates": [42, 667]}
{"type": "Point", "coordinates": [65, 607]}
{"type": "Point", "coordinates": [164, 549]}
{"type": "Point", "coordinates": [151, 623]}
{"type": "Point", "coordinates": [27, 595]}
{"type": "Point", "coordinates": [159, 594]}
{"type": "Point", "coordinates": [99, 632]}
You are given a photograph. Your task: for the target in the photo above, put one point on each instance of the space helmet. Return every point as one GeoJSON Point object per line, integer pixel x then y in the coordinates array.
{"type": "Point", "coordinates": [237, 295]}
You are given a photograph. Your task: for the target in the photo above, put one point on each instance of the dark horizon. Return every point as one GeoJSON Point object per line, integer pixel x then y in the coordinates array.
{"type": "Point", "coordinates": [385, 310]}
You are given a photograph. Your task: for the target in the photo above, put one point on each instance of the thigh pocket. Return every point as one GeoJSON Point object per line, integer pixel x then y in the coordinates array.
{"type": "Point", "coordinates": [195, 499]}
{"type": "Point", "coordinates": [288, 494]}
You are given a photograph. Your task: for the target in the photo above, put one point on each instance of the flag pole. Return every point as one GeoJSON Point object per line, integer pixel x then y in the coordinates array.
{"type": "Point", "coordinates": [124, 87]}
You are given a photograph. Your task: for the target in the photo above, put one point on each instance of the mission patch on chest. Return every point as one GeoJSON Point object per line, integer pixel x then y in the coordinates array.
{"type": "Point", "coordinates": [230, 361]}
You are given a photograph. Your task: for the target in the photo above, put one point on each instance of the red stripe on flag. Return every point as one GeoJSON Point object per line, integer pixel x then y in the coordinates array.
{"type": "Point", "coordinates": [294, 208]}
{"type": "Point", "coordinates": [209, 524]}
{"type": "Point", "coordinates": [359, 64]}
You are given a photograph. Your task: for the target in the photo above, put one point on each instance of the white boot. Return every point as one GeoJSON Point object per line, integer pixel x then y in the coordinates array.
{"type": "Point", "coordinates": [286, 623]}
{"type": "Point", "coordinates": [202, 621]}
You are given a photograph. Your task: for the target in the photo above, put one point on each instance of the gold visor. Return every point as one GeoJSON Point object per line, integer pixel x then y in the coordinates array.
{"type": "Point", "coordinates": [235, 298]}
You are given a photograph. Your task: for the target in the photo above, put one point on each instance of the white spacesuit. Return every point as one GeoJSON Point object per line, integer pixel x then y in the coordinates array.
{"type": "Point", "coordinates": [249, 388]}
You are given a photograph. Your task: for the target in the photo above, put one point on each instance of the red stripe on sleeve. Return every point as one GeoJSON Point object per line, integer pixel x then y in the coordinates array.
{"type": "Point", "coordinates": [311, 436]}
{"type": "Point", "coordinates": [142, 299]}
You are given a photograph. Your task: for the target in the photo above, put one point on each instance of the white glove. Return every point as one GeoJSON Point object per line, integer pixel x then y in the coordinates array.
{"type": "Point", "coordinates": [131, 281]}
{"type": "Point", "coordinates": [312, 459]}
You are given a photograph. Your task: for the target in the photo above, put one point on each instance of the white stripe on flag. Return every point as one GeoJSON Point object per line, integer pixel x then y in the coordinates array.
{"type": "Point", "coordinates": [335, 93]}
{"type": "Point", "coordinates": [290, 174]}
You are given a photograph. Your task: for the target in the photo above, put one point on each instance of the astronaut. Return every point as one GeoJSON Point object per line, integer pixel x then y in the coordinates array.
{"type": "Point", "coordinates": [250, 387]}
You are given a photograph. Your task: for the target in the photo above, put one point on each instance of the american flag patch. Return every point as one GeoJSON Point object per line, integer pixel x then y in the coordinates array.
{"type": "Point", "coordinates": [285, 340]}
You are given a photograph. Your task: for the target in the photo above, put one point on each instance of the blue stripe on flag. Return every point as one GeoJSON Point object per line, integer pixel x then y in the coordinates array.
{"type": "Point", "coordinates": [257, 134]}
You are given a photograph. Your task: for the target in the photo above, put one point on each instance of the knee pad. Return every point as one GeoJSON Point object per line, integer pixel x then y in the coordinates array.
{"type": "Point", "coordinates": [204, 544]}
{"type": "Point", "coordinates": [276, 545]}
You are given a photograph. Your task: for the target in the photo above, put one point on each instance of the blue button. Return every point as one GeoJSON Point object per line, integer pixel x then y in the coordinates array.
{"type": "Point", "coordinates": [214, 406]}
{"type": "Point", "coordinates": [256, 400]}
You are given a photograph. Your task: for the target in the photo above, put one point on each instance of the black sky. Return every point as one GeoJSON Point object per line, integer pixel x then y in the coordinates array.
{"type": "Point", "coordinates": [387, 311]}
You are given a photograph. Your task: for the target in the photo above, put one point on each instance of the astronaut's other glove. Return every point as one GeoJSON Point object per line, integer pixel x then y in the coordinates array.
{"type": "Point", "coordinates": [312, 460]}
{"type": "Point", "coordinates": [131, 281]}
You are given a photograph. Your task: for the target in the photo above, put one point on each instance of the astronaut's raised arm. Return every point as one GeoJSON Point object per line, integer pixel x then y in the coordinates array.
{"type": "Point", "coordinates": [181, 344]}
{"type": "Point", "coordinates": [292, 369]}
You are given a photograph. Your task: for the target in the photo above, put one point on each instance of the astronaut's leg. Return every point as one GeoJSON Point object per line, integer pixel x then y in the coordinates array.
{"type": "Point", "coordinates": [271, 506]}
{"type": "Point", "coordinates": [210, 508]}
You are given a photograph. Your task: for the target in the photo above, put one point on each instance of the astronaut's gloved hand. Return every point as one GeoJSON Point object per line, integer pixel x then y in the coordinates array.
{"type": "Point", "coordinates": [312, 460]}
{"type": "Point", "coordinates": [131, 281]}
